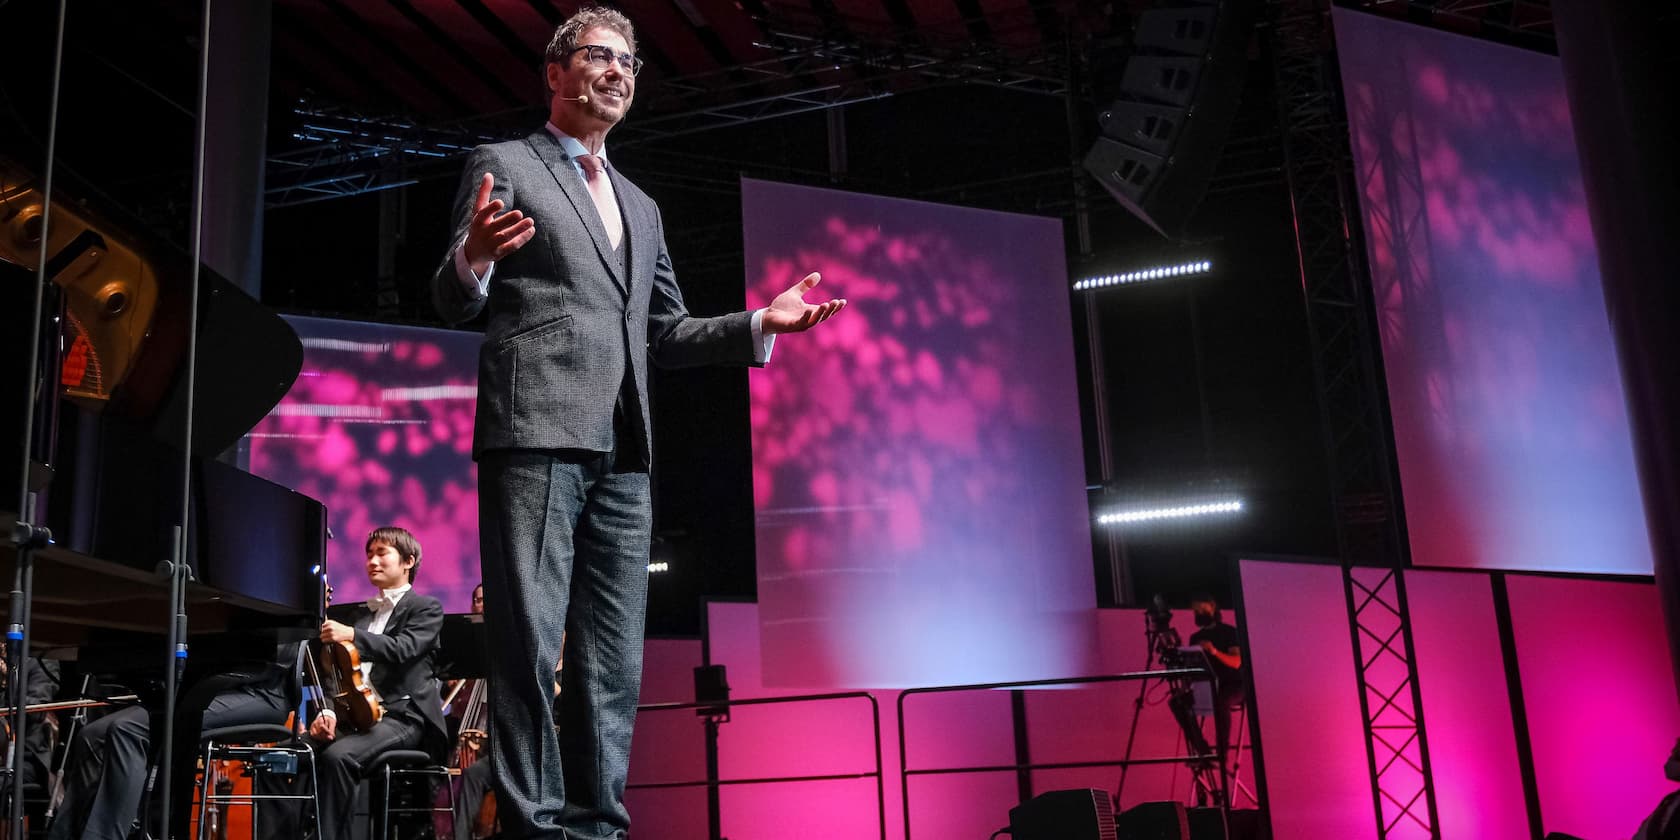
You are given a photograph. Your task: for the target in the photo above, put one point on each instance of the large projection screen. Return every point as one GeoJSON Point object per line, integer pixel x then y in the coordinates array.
{"type": "Point", "coordinates": [917, 473]}
{"type": "Point", "coordinates": [378, 427]}
{"type": "Point", "coordinates": [1509, 425]}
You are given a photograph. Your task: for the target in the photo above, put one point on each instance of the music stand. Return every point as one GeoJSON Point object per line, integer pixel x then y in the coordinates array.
{"type": "Point", "coordinates": [463, 648]}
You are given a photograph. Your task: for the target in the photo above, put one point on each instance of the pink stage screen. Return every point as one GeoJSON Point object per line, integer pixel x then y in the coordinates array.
{"type": "Point", "coordinates": [917, 473]}
{"type": "Point", "coordinates": [1306, 689]}
{"type": "Point", "coordinates": [1466, 707]}
{"type": "Point", "coordinates": [1600, 701]}
{"type": "Point", "coordinates": [378, 427]}
{"type": "Point", "coordinates": [1513, 444]}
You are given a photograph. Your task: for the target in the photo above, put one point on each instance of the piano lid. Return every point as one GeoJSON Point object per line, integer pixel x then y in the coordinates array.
{"type": "Point", "coordinates": [125, 305]}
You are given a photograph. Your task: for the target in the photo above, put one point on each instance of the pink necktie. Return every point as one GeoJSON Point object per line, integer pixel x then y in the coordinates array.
{"type": "Point", "coordinates": [600, 189]}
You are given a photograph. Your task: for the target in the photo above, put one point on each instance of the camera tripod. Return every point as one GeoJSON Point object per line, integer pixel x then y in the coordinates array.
{"type": "Point", "coordinates": [1206, 763]}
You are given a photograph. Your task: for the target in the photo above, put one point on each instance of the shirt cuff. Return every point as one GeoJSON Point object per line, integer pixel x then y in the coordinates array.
{"type": "Point", "coordinates": [476, 287]}
{"type": "Point", "coordinates": [327, 713]}
{"type": "Point", "coordinates": [762, 344]}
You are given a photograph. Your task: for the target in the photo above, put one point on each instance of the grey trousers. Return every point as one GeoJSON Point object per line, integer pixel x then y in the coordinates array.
{"type": "Point", "coordinates": [564, 547]}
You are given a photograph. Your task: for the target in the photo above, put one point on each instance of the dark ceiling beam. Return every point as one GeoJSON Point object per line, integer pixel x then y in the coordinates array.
{"type": "Point", "coordinates": [974, 19]}
{"type": "Point", "coordinates": [1519, 23]}
{"type": "Point", "coordinates": [287, 25]}
{"type": "Point", "coordinates": [451, 46]}
{"type": "Point", "coordinates": [503, 33]}
{"type": "Point", "coordinates": [385, 47]}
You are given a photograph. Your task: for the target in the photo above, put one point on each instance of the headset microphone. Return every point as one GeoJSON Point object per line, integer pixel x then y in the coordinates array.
{"type": "Point", "coordinates": [581, 99]}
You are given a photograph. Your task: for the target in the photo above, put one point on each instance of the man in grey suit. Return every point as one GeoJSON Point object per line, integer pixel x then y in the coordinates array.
{"type": "Point", "coordinates": [569, 258]}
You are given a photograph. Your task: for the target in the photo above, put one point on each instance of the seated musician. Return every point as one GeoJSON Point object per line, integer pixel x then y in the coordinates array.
{"type": "Point", "coordinates": [104, 777]}
{"type": "Point", "coordinates": [39, 688]}
{"type": "Point", "coordinates": [475, 802]}
{"type": "Point", "coordinates": [396, 637]}
{"type": "Point", "coordinates": [471, 817]}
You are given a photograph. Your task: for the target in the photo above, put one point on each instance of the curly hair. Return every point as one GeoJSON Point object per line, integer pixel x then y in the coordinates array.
{"type": "Point", "coordinates": [566, 37]}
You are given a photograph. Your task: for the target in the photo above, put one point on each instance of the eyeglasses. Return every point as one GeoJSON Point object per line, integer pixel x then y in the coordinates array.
{"type": "Point", "coordinates": [603, 56]}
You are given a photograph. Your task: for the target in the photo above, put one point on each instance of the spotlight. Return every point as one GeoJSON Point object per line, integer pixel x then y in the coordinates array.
{"type": "Point", "coordinates": [1126, 517]}
{"type": "Point", "coordinates": [658, 566]}
{"type": "Point", "coordinates": [1139, 275]}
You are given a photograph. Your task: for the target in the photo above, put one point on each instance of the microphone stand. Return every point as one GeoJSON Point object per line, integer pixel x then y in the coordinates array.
{"type": "Point", "coordinates": [27, 535]}
{"type": "Point", "coordinates": [177, 568]}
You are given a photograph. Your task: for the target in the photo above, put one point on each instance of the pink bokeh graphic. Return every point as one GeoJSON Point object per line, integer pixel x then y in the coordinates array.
{"type": "Point", "coordinates": [378, 427]}
{"type": "Point", "coordinates": [917, 473]}
{"type": "Point", "coordinates": [1509, 426]}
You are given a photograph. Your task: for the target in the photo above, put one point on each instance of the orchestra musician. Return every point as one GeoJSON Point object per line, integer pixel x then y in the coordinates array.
{"type": "Point", "coordinates": [104, 777]}
{"type": "Point", "coordinates": [37, 753]}
{"type": "Point", "coordinates": [471, 819]}
{"type": "Point", "coordinates": [396, 637]}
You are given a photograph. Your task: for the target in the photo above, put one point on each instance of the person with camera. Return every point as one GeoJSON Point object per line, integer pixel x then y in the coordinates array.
{"type": "Point", "coordinates": [1223, 647]}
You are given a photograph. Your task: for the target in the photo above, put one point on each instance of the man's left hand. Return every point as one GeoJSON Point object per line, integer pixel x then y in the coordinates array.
{"type": "Point", "coordinates": [1207, 647]}
{"type": "Point", "coordinates": [790, 313]}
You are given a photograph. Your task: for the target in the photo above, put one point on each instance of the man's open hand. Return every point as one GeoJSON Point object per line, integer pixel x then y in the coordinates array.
{"type": "Point", "coordinates": [492, 234]}
{"type": "Point", "coordinates": [790, 313]}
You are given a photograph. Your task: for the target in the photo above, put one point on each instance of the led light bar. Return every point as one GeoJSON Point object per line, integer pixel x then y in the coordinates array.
{"type": "Point", "coordinates": [1126, 517]}
{"type": "Point", "coordinates": [1143, 274]}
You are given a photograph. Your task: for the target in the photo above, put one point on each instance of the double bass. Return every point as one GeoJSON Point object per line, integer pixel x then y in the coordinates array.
{"type": "Point", "coordinates": [469, 748]}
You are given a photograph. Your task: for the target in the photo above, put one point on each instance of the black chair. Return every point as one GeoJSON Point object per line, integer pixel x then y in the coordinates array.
{"type": "Point", "coordinates": [265, 748]}
{"type": "Point", "coordinates": [35, 802]}
{"type": "Point", "coordinates": [403, 766]}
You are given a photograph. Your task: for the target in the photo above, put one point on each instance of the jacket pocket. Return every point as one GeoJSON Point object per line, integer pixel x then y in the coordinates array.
{"type": "Point", "coordinates": [540, 331]}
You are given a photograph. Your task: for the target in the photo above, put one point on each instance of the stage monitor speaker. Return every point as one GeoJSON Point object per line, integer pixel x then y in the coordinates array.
{"type": "Point", "coordinates": [711, 685]}
{"type": "Point", "coordinates": [1207, 824]}
{"type": "Point", "coordinates": [1178, 95]}
{"type": "Point", "coordinates": [1233, 824]}
{"type": "Point", "coordinates": [1154, 821]}
{"type": "Point", "coordinates": [1086, 814]}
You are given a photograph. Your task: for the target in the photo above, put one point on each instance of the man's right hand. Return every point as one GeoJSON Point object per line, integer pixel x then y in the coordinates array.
{"type": "Point", "coordinates": [492, 234]}
{"type": "Point", "coordinates": [323, 727]}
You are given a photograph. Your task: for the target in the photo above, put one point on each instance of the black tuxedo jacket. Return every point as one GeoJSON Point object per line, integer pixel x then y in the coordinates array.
{"type": "Point", "coordinates": [403, 671]}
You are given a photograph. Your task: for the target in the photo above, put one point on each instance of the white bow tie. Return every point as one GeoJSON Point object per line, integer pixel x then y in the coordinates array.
{"type": "Point", "coordinates": [380, 603]}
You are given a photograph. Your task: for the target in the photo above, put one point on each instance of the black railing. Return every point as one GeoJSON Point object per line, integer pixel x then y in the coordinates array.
{"type": "Point", "coordinates": [875, 721]}
{"type": "Point", "coordinates": [904, 758]}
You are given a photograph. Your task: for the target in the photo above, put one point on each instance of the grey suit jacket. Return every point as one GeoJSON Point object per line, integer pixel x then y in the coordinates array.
{"type": "Point", "coordinates": [564, 319]}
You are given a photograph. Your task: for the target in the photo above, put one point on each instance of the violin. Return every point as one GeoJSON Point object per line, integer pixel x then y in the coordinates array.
{"type": "Point", "coordinates": [353, 700]}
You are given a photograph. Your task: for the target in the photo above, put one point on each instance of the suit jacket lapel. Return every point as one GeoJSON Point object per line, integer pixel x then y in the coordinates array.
{"type": "Point", "coordinates": [565, 174]}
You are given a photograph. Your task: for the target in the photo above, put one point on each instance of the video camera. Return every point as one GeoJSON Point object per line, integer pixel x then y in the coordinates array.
{"type": "Point", "coordinates": [1164, 640]}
